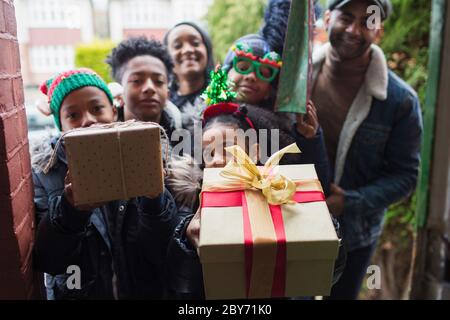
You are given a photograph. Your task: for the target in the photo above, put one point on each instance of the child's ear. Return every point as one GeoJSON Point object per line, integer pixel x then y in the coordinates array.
{"type": "Point", "coordinates": [254, 152]}
{"type": "Point", "coordinates": [115, 113]}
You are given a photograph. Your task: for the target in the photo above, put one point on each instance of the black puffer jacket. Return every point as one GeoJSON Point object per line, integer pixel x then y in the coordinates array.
{"type": "Point", "coordinates": [120, 248]}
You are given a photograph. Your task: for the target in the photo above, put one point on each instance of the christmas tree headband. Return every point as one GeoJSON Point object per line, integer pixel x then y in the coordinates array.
{"type": "Point", "coordinates": [218, 97]}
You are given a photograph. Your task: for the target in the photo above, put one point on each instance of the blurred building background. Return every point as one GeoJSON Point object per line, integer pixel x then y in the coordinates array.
{"type": "Point", "coordinates": [50, 30]}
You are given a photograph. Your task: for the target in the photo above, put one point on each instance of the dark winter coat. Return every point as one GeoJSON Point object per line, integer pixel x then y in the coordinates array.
{"type": "Point", "coordinates": [119, 248]}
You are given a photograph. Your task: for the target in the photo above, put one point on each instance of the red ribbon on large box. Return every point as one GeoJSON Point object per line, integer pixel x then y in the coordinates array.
{"type": "Point", "coordinates": [239, 199]}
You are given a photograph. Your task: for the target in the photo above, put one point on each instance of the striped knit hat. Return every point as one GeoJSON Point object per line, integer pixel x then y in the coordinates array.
{"type": "Point", "coordinates": [63, 84]}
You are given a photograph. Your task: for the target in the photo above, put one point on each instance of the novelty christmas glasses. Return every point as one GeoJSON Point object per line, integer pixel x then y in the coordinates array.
{"type": "Point", "coordinates": [245, 62]}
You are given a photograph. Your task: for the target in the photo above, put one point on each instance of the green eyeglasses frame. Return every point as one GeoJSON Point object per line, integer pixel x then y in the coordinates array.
{"type": "Point", "coordinates": [255, 65]}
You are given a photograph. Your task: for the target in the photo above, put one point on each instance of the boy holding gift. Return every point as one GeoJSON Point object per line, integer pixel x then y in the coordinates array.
{"type": "Point", "coordinates": [118, 247]}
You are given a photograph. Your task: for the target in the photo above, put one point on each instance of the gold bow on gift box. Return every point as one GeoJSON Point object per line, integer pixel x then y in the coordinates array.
{"type": "Point", "coordinates": [243, 173]}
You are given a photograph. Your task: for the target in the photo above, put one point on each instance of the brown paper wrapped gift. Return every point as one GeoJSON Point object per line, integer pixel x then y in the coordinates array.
{"type": "Point", "coordinates": [114, 162]}
{"type": "Point", "coordinates": [253, 247]}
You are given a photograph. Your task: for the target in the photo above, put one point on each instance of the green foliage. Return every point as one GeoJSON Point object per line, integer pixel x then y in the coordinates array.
{"type": "Point", "coordinates": [93, 56]}
{"type": "Point", "coordinates": [405, 42]}
{"type": "Point", "coordinates": [229, 20]}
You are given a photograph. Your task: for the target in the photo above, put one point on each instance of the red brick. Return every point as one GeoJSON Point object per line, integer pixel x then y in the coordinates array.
{"type": "Point", "coordinates": [28, 272]}
{"type": "Point", "coordinates": [16, 206]}
{"type": "Point", "coordinates": [11, 277]}
{"type": "Point", "coordinates": [25, 237]}
{"type": "Point", "coordinates": [4, 185]}
{"type": "Point", "coordinates": [10, 19]}
{"type": "Point", "coordinates": [21, 204]}
{"type": "Point", "coordinates": [2, 18]}
{"type": "Point", "coordinates": [6, 56]}
{"type": "Point", "coordinates": [22, 124]}
{"type": "Point", "coordinates": [15, 63]}
{"type": "Point", "coordinates": [14, 172]}
{"type": "Point", "coordinates": [6, 221]}
{"type": "Point", "coordinates": [17, 85]}
{"type": "Point", "coordinates": [9, 126]}
{"type": "Point", "coordinates": [9, 259]}
{"type": "Point", "coordinates": [25, 161]}
{"type": "Point", "coordinates": [2, 148]}
{"type": "Point", "coordinates": [6, 95]}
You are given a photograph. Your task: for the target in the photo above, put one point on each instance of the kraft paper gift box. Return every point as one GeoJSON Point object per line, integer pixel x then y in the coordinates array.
{"type": "Point", "coordinates": [250, 249]}
{"type": "Point", "coordinates": [115, 162]}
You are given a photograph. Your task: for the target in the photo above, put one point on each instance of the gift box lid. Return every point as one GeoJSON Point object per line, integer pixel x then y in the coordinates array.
{"type": "Point", "coordinates": [115, 163]}
{"type": "Point", "coordinates": [310, 232]}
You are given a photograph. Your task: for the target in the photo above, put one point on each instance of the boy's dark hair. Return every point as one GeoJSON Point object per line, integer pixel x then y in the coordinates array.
{"type": "Point", "coordinates": [134, 47]}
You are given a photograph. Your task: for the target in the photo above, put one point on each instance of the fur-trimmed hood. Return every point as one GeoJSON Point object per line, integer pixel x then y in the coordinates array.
{"type": "Point", "coordinates": [41, 152]}
{"type": "Point", "coordinates": [184, 180]}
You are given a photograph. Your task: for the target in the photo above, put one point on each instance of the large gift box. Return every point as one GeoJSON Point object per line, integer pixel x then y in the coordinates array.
{"type": "Point", "coordinates": [115, 162]}
{"type": "Point", "coordinates": [265, 231]}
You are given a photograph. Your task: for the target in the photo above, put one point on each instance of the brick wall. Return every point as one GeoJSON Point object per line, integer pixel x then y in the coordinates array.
{"type": "Point", "coordinates": [16, 188]}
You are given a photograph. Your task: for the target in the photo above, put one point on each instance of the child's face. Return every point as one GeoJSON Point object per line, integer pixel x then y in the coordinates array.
{"type": "Point", "coordinates": [217, 138]}
{"type": "Point", "coordinates": [145, 84]}
{"type": "Point", "coordinates": [188, 51]}
{"type": "Point", "coordinates": [85, 107]}
{"type": "Point", "coordinates": [249, 87]}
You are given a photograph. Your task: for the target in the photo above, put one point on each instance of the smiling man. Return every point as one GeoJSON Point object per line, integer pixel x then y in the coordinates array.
{"type": "Point", "coordinates": [372, 126]}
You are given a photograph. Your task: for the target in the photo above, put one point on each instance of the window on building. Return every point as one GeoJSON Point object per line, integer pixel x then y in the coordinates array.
{"type": "Point", "coordinates": [51, 59]}
{"type": "Point", "coordinates": [146, 14]}
{"type": "Point", "coordinates": [55, 13]}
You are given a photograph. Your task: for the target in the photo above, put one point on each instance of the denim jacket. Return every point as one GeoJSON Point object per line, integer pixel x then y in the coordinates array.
{"type": "Point", "coordinates": [378, 154]}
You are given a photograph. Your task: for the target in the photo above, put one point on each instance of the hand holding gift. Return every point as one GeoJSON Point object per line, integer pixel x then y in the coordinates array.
{"type": "Point", "coordinates": [116, 161]}
{"type": "Point", "coordinates": [68, 193]}
{"type": "Point", "coordinates": [336, 201]}
{"type": "Point", "coordinates": [193, 230]}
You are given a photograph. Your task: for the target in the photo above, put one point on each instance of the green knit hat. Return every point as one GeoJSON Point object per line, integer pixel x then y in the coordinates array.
{"type": "Point", "coordinates": [63, 84]}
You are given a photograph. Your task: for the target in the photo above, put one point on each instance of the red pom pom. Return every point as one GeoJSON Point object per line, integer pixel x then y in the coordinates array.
{"type": "Point", "coordinates": [44, 88]}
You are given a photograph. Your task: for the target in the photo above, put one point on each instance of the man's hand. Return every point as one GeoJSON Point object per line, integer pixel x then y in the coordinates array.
{"type": "Point", "coordinates": [68, 193]}
{"type": "Point", "coordinates": [336, 201]}
{"type": "Point", "coordinates": [193, 230]}
{"type": "Point", "coordinates": [308, 124]}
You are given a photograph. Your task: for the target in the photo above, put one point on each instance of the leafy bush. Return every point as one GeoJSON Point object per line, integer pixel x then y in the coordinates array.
{"type": "Point", "coordinates": [229, 20]}
{"type": "Point", "coordinates": [93, 56]}
{"type": "Point", "coordinates": [405, 42]}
